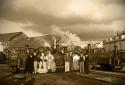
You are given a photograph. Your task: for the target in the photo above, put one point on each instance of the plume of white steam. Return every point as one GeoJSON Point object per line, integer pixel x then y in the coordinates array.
{"type": "Point", "coordinates": [46, 44]}
{"type": "Point", "coordinates": [56, 30]}
{"type": "Point", "coordinates": [99, 44]}
{"type": "Point", "coordinates": [67, 38]}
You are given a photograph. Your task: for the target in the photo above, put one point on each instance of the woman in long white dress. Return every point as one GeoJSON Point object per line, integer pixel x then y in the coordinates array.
{"type": "Point", "coordinates": [50, 62]}
{"type": "Point", "coordinates": [75, 62]}
{"type": "Point", "coordinates": [43, 64]}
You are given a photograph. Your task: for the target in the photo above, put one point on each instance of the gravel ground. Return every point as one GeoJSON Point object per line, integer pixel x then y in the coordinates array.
{"type": "Point", "coordinates": [4, 70]}
{"type": "Point", "coordinates": [52, 79]}
{"type": "Point", "coordinates": [63, 79]}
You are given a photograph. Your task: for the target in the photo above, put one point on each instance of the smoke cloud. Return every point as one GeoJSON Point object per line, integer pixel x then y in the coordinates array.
{"type": "Point", "coordinates": [46, 44]}
{"type": "Point", "coordinates": [67, 38]}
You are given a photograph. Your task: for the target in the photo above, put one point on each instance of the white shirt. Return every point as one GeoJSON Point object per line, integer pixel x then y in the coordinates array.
{"type": "Point", "coordinates": [75, 58]}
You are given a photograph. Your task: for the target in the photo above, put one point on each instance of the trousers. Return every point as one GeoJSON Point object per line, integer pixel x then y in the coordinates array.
{"type": "Point", "coordinates": [67, 66]}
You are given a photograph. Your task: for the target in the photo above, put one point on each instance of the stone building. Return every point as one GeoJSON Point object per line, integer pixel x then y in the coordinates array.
{"type": "Point", "coordinates": [7, 38]}
{"type": "Point", "coordinates": [116, 47]}
{"type": "Point", "coordinates": [36, 42]}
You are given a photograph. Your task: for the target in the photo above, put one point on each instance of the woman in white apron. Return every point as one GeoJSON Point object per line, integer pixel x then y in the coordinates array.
{"type": "Point", "coordinates": [76, 62]}
{"type": "Point", "coordinates": [42, 65]}
{"type": "Point", "coordinates": [50, 62]}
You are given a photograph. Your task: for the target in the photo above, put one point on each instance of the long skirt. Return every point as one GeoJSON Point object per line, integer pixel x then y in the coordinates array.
{"type": "Point", "coordinates": [67, 66]}
{"type": "Point", "coordinates": [75, 65]}
{"type": "Point", "coordinates": [51, 66]}
{"type": "Point", "coordinates": [35, 66]}
{"type": "Point", "coordinates": [42, 67]}
{"type": "Point", "coordinates": [82, 70]}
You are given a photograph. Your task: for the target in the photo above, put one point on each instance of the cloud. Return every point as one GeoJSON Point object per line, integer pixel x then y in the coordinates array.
{"type": "Point", "coordinates": [89, 19]}
{"type": "Point", "coordinates": [8, 26]}
{"type": "Point", "coordinates": [118, 2]}
{"type": "Point", "coordinates": [55, 12]}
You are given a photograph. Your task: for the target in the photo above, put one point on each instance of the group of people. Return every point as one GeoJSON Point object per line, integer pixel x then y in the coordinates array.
{"type": "Point", "coordinates": [39, 63]}
{"type": "Point", "coordinates": [76, 62]}
{"type": "Point", "coordinates": [43, 63]}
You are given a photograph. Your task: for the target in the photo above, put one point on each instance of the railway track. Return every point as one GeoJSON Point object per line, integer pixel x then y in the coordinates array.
{"type": "Point", "coordinates": [105, 73]}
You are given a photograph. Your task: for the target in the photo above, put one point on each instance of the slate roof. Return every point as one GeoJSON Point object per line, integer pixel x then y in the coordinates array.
{"type": "Point", "coordinates": [26, 41]}
{"type": "Point", "coordinates": [34, 42]}
{"type": "Point", "coordinates": [9, 36]}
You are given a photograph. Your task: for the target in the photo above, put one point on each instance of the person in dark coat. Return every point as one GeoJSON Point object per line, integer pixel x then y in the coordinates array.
{"type": "Point", "coordinates": [29, 64]}
{"type": "Point", "coordinates": [86, 64]}
{"type": "Point", "coordinates": [35, 61]}
{"type": "Point", "coordinates": [81, 63]}
{"type": "Point", "coordinates": [71, 61]}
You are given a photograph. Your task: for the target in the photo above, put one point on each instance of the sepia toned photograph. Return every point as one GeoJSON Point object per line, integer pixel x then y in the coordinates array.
{"type": "Point", "coordinates": [62, 42]}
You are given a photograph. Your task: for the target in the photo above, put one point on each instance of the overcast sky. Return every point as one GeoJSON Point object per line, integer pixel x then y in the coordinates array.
{"type": "Point", "coordinates": [88, 19]}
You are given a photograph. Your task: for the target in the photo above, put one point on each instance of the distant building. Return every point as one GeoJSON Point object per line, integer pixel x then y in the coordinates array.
{"type": "Point", "coordinates": [94, 46]}
{"type": "Point", "coordinates": [116, 46]}
{"type": "Point", "coordinates": [7, 38]}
